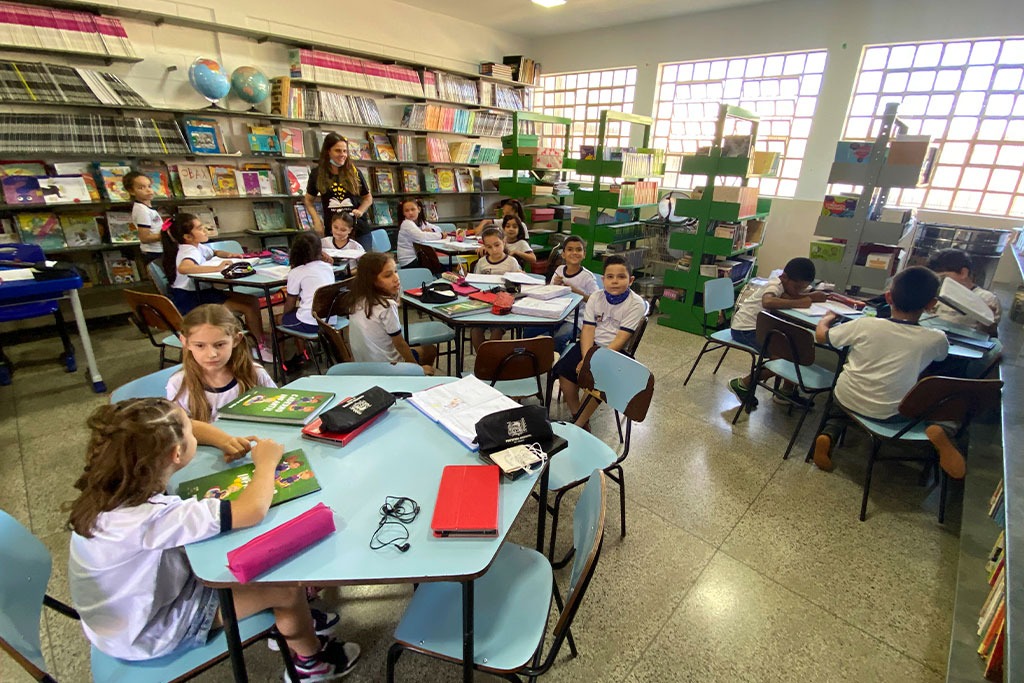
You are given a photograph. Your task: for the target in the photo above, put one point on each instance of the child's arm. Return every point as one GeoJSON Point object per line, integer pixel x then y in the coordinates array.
{"type": "Point", "coordinates": [772, 302]}
{"type": "Point", "coordinates": [621, 337]}
{"type": "Point", "coordinates": [147, 235]}
{"type": "Point", "coordinates": [227, 254]}
{"type": "Point", "coordinates": [234, 447]}
{"type": "Point", "coordinates": [190, 267]}
{"type": "Point", "coordinates": [290, 302]}
{"type": "Point", "coordinates": [586, 342]}
{"type": "Point", "coordinates": [527, 256]}
{"type": "Point", "coordinates": [821, 330]}
{"type": "Point", "coordinates": [253, 502]}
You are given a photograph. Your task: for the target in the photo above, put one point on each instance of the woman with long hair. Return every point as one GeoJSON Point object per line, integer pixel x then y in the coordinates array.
{"type": "Point", "coordinates": [339, 185]}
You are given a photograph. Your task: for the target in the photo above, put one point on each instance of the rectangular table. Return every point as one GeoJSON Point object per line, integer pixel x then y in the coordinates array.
{"type": "Point", "coordinates": [401, 455]}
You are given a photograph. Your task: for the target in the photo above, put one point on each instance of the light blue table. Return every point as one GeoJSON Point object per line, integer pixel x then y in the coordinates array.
{"type": "Point", "coordinates": [401, 455]}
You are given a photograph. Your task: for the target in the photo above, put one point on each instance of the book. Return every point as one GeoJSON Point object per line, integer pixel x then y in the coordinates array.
{"type": "Point", "coordinates": [459, 309]}
{"type": "Point", "coordinates": [8, 233]}
{"type": "Point", "coordinates": [293, 142]}
{"type": "Point", "coordinates": [554, 309]}
{"type": "Point", "coordinates": [380, 145]}
{"type": "Point", "coordinates": [263, 140]}
{"type": "Point", "coordinates": [293, 478]}
{"type": "Point", "coordinates": [410, 180]}
{"type": "Point", "coordinates": [111, 179]}
{"type": "Point", "coordinates": [314, 432]}
{"type": "Point", "coordinates": [41, 228]}
{"type": "Point", "coordinates": [196, 180]}
{"type": "Point", "coordinates": [445, 179]}
{"type": "Point", "coordinates": [81, 229]}
{"type": "Point", "coordinates": [266, 175]}
{"type": "Point", "coordinates": [84, 170]}
{"type": "Point", "coordinates": [965, 301]}
{"type": "Point", "coordinates": [69, 189]}
{"type": "Point", "coordinates": [463, 180]}
{"type": "Point", "coordinates": [298, 179]}
{"type": "Point", "coordinates": [159, 178]}
{"type": "Point", "coordinates": [430, 180]}
{"type": "Point", "coordinates": [269, 216]}
{"type": "Point", "coordinates": [382, 213]}
{"type": "Point", "coordinates": [467, 501]}
{"type": "Point", "coordinates": [384, 180]}
{"type": "Point", "coordinates": [204, 136]}
{"type": "Point", "coordinates": [283, 406]}
{"type": "Point", "coordinates": [29, 168]}
{"type": "Point", "coordinates": [224, 183]}
{"type": "Point", "coordinates": [360, 151]}
{"type": "Point", "coordinates": [22, 190]}
{"type": "Point", "coordinates": [303, 221]}
{"type": "Point", "coordinates": [120, 269]}
{"type": "Point", "coordinates": [121, 229]}
{"type": "Point", "coordinates": [545, 292]}
{"type": "Point", "coordinates": [457, 406]}
{"type": "Point", "coordinates": [248, 183]}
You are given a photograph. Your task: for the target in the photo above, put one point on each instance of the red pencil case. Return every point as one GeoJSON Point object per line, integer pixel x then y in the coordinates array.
{"type": "Point", "coordinates": [282, 542]}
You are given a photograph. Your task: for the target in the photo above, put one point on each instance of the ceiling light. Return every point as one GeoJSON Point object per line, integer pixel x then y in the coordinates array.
{"type": "Point", "coordinates": [549, 3]}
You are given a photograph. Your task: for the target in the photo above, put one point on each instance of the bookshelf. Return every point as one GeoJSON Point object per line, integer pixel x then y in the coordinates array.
{"type": "Point", "coordinates": [875, 176]}
{"type": "Point", "coordinates": [738, 206]}
{"type": "Point", "coordinates": [604, 167]}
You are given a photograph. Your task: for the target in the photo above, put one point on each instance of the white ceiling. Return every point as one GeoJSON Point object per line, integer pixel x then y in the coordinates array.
{"type": "Point", "coordinates": [524, 18]}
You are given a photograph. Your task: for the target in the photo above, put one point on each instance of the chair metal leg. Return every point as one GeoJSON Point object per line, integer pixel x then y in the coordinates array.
{"type": "Point", "coordinates": [875, 445]}
{"type": "Point", "coordinates": [621, 481]}
{"type": "Point", "coordinates": [697, 362]}
{"type": "Point", "coordinates": [796, 431]}
{"type": "Point", "coordinates": [554, 523]}
{"type": "Point", "coordinates": [719, 363]}
{"type": "Point", "coordinates": [943, 489]}
{"type": "Point", "coordinates": [394, 652]}
{"type": "Point", "coordinates": [286, 655]}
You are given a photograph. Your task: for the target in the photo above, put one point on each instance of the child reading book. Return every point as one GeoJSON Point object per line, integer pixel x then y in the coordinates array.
{"type": "Point", "coordinates": [414, 228]}
{"type": "Point", "coordinates": [957, 265]}
{"type": "Point", "coordinates": [186, 253]}
{"type": "Point", "coordinates": [495, 261]}
{"type": "Point", "coordinates": [308, 273]}
{"type": "Point", "coordinates": [129, 578]}
{"type": "Point", "coordinates": [147, 221]}
{"type": "Point", "coordinates": [342, 227]}
{"type": "Point", "coordinates": [375, 330]}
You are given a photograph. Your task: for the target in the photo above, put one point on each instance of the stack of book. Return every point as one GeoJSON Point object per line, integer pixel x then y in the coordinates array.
{"type": "Point", "coordinates": [451, 120]}
{"type": "Point", "coordinates": [642, 164]}
{"type": "Point", "coordinates": [353, 72]}
{"type": "Point", "coordinates": [62, 30]}
{"type": "Point", "coordinates": [524, 69]}
{"type": "Point", "coordinates": [309, 102]}
{"type": "Point", "coordinates": [434, 150]}
{"type": "Point", "coordinates": [639, 192]}
{"type": "Point", "coordinates": [496, 70]}
{"type": "Point", "coordinates": [89, 134]}
{"type": "Point", "coordinates": [445, 86]}
{"type": "Point", "coordinates": [473, 153]}
{"type": "Point", "coordinates": [45, 82]}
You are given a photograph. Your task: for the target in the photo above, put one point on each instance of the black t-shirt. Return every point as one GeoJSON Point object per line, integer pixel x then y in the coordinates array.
{"type": "Point", "coordinates": [334, 199]}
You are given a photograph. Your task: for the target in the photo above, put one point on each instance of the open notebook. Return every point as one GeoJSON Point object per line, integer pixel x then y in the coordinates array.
{"type": "Point", "coordinates": [459, 405]}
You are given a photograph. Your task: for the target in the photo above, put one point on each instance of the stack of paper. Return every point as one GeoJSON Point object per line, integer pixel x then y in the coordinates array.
{"type": "Point", "coordinates": [552, 308]}
{"type": "Point", "coordinates": [459, 405]}
{"type": "Point", "coordinates": [547, 291]}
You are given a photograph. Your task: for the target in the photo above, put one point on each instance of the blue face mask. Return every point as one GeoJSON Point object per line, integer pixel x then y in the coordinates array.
{"type": "Point", "coordinates": [335, 164]}
{"type": "Point", "coordinates": [614, 299]}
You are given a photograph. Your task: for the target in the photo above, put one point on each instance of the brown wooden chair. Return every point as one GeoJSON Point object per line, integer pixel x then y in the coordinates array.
{"type": "Point", "coordinates": [331, 315]}
{"type": "Point", "coordinates": [510, 365]}
{"type": "Point", "coordinates": [325, 300]}
{"type": "Point", "coordinates": [152, 312]}
{"type": "Point", "coordinates": [427, 258]}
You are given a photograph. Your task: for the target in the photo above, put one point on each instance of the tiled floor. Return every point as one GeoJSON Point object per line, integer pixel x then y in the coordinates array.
{"type": "Point", "coordinates": [738, 565]}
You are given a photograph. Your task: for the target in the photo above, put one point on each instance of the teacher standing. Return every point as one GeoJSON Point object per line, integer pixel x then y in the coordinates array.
{"type": "Point", "coordinates": [340, 186]}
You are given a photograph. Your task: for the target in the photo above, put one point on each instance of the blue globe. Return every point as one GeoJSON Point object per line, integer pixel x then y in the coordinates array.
{"type": "Point", "coordinates": [208, 79]}
{"type": "Point", "coordinates": [250, 84]}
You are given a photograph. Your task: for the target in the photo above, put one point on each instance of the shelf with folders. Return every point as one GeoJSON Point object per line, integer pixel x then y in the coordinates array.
{"type": "Point", "coordinates": [638, 171]}
{"type": "Point", "coordinates": [538, 144]}
{"type": "Point", "coordinates": [727, 223]}
{"type": "Point", "coordinates": [853, 226]}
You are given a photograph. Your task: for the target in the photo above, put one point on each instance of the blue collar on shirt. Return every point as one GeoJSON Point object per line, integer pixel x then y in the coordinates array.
{"type": "Point", "coordinates": [220, 390]}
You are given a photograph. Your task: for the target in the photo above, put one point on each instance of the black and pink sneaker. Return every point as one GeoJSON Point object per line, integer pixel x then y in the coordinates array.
{"type": "Point", "coordinates": [334, 661]}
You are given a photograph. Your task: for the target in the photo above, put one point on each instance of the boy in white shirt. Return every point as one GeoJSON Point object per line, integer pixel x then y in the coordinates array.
{"type": "Point", "coordinates": [147, 221]}
{"type": "Point", "coordinates": [578, 279]}
{"type": "Point", "coordinates": [885, 360]}
{"type": "Point", "coordinates": [956, 264]}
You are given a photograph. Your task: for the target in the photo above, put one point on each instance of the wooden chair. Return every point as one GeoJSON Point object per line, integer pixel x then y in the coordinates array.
{"type": "Point", "coordinates": [514, 366]}
{"type": "Point", "coordinates": [325, 300]}
{"type": "Point", "coordinates": [330, 314]}
{"type": "Point", "coordinates": [512, 601]}
{"type": "Point", "coordinates": [719, 295]}
{"type": "Point", "coordinates": [787, 352]}
{"type": "Point", "coordinates": [427, 258]}
{"type": "Point", "coordinates": [154, 311]}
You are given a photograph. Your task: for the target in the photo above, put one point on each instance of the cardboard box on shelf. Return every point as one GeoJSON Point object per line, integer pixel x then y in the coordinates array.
{"type": "Point", "coordinates": [746, 197]}
{"type": "Point", "coordinates": [755, 231]}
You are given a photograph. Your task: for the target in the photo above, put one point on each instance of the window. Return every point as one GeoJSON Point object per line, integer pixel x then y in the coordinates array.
{"type": "Point", "coordinates": [582, 97]}
{"type": "Point", "coordinates": [967, 96]}
{"type": "Point", "coordinates": [781, 88]}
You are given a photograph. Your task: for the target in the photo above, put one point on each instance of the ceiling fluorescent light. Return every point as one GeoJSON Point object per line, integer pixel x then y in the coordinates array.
{"type": "Point", "coordinates": [549, 3]}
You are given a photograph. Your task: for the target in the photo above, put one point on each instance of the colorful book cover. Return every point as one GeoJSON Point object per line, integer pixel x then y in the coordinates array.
{"type": "Point", "coordinates": [463, 180]}
{"type": "Point", "coordinates": [248, 183]}
{"type": "Point", "coordinates": [69, 189]}
{"type": "Point", "coordinates": [81, 229]}
{"type": "Point", "coordinates": [430, 180]}
{"type": "Point", "coordinates": [121, 270]}
{"type": "Point", "coordinates": [385, 180]}
{"type": "Point", "coordinates": [267, 181]}
{"type": "Point", "coordinates": [223, 178]}
{"type": "Point", "coordinates": [293, 478]}
{"type": "Point", "coordinates": [359, 151]}
{"type": "Point", "coordinates": [83, 169]}
{"type": "Point", "coordinates": [445, 179]}
{"type": "Point", "coordinates": [269, 216]}
{"type": "Point", "coordinates": [22, 190]}
{"type": "Point", "coordinates": [382, 213]}
{"type": "Point", "coordinates": [159, 178]}
{"type": "Point", "coordinates": [303, 221]}
{"type": "Point", "coordinates": [430, 209]}
{"type": "Point", "coordinates": [293, 143]}
{"type": "Point", "coordinates": [381, 146]}
{"type": "Point", "coordinates": [30, 168]}
{"type": "Point", "coordinates": [268, 404]}
{"type": "Point", "coordinates": [461, 308]}
{"type": "Point", "coordinates": [121, 229]}
{"type": "Point", "coordinates": [263, 140]}
{"type": "Point", "coordinates": [410, 180]}
{"type": "Point", "coordinates": [41, 228]}
{"type": "Point", "coordinates": [112, 178]}
{"type": "Point", "coordinates": [298, 179]}
{"type": "Point", "coordinates": [195, 180]}
{"type": "Point", "coordinates": [203, 136]}
{"type": "Point", "coordinates": [8, 233]}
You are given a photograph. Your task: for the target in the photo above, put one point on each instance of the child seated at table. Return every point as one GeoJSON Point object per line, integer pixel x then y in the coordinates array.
{"type": "Point", "coordinates": [609, 319]}
{"type": "Point", "coordinates": [957, 265]}
{"type": "Point", "coordinates": [885, 359]}
{"type": "Point", "coordinates": [308, 273]}
{"type": "Point", "coordinates": [343, 224]}
{"type": "Point", "coordinates": [495, 261]}
{"type": "Point", "coordinates": [129, 577]}
{"type": "Point", "coordinates": [414, 229]}
{"type": "Point", "coordinates": [515, 240]}
{"type": "Point", "coordinates": [788, 290]}
{"type": "Point", "coordinates": [375, 330]}
{"type": "Point", "coordinates": [186, 253]}
{"type": "Point", "coordinates": [581, 281]}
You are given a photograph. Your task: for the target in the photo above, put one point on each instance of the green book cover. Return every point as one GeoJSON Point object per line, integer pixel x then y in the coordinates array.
{"type": "Point", "coordinates": [293, 478]}
{"type": "Point", "coordinates": [461, 308]}
{"type": "Point", "coordinates": [268, 404]}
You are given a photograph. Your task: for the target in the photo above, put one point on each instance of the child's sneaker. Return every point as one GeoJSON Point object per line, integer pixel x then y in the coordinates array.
{"type": "Point", "coordinates": [266, 354]}
{"type": "Point", "coordinates": [335, 660]}
{"type": "Point", "coordinates": [792, 398]}
{"type": "Point", "coordinates": [323, 624]}
{"type": "Point", "coordinates": [822, 450]}
{"type": "Point", "coordinates": [741, 391]}
{"type": "Point", "coordinates": [951, 460]}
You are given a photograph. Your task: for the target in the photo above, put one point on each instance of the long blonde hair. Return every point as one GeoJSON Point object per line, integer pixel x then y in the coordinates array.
{"type": "Point", "coordinates": [349, 174]}
{"type": "Point", "coordinates": [126, 459]}
{"type": "Point", "coordinates": [240, 364]}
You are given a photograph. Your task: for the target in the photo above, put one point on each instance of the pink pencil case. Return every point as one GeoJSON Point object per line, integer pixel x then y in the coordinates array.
{"type": "Point", "coordinates": [464, 289]}
{"type": "Point", "coordinates": [248, 561]}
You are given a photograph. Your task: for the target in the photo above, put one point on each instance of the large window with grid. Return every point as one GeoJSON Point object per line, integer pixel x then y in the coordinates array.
{"type": "Point", "coordinates": [781, 88]}
{"type": "Point", "coordinates": [967, 96]}
{"type": "Point", "coordinates": [582, 96]}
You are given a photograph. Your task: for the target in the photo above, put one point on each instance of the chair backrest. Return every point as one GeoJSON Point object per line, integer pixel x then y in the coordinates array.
{"type": "Point", "coordinates": [554, 260]}
{"type": "Point", "coordinates": [380, 240]}
{"type": "Point", "coordinates": [158, 276]}
{"type": "Point", "coordinates": [27, 566]}
{"type": "Point", "coordinates": [631, 345]}
{"type": "Point", "coordinates": [950, 398]}
{"type": "Point", "coordinates": [627, 385]}
{"type": "Point", "coordinates": [782, 339]}
{"type": "Point", "coordinates": [153, 310]}
{"type": "Point", "coordinates": [330, 299]}
{"type": "Point", "coordinates": [29, 253]}
{"type": "Point", "coordinates": [446, 227]}
{"type": "Point", "coordinates": [508, 359]}
{"type": "Point", "coordinates": [428, 258]}
{"type": "Point", "coordinates": [414, 277]}
{"type": "Point", "coordinates": [719, 295]}
{"type": "Point", "coordinates": [338, 348]}
{"type": "Point", "coordinates": [151, 385]}
{"type": "Point", "coordinates": [230, 246]}
{"type": "Point", "coordinates": [378, 368]}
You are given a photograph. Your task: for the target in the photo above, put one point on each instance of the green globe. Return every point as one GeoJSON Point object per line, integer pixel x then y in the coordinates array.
{"type": "Point", "coordinates": [250, 84]}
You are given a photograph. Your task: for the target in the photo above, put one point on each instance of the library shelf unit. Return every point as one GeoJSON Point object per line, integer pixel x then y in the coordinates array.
{"type": "Point", "coordinates": [875, 177]}
{"type": "Point", "coordinates": [687, 311]}
{"type": "Point", "coordinates": [597, 199]}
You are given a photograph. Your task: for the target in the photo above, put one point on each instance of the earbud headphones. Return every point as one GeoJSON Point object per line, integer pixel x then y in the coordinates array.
{"type": "Point", "coordinates": [395, 513]}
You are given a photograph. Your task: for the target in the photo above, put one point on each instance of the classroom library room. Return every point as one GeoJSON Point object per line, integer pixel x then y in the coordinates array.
{"type": "Point", "coordinates": [451, 340]}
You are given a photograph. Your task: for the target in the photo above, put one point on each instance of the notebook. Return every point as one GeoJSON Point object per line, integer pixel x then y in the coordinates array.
{"type": "Point", "coordinates": [467, 501]}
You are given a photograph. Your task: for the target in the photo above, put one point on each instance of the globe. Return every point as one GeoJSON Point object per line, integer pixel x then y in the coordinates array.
{"type": "Point", "coordinates": [250, 84]}
{"type": "Point", "coordinates": [208, 79]}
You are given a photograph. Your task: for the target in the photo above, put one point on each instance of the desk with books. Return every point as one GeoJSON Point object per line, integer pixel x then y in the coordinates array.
{"type": "Point", "coordinates": [402, 454]}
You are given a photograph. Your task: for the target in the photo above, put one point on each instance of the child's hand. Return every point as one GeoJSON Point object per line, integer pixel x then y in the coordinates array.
{"type": "Point", "coordinates": [556, 280]}
{"type": "Point", "coordinates": [829, 317]}
{"type": "Point", "coordinates": [267, 453]}
{"type": "Point", "coordinates": [428, 370]}
{"type": "Point", "coordinates": [235, 447]}
{"type": "Point", "coordinates": [229, 255]}
{"type": "Point", "coordinates": [327, 259]}
{"type": "Point", "coordinates": [818, 297]}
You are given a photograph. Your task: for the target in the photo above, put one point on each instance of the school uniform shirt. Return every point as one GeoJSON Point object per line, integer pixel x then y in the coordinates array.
{"type": "Point", "coordinates": [409, 234]}
{"type": "Point", "coordinates": [519, 247]}
{"type": "Point", "coordinates": [748, 305]}
{"type": "Point", "coordinates": [200, 254]}
{"type": "Point", "coordinates": [884, 362]}
{"type": "Point", "coordinates": [351, 245]}
{"type": "Point", "coordinates": [483, 266]}
{"type": "Point", "coordinates": [497, 223]}
{"type": "Point", "coordinates": [303, 281]}
{"type": "Point", "coordinates": [608, 319]}
{"type": "Point", "coordinates": [131, 582]}
{"type": "Point", "coordinates": [951, 315]}
{"type": "Point", "coordinates": [372, 336]}
{"type": "Point", "coordinates": [584, 280]}
{"type": "Point", "coordinates": [146, 218]}
{"type": "Point", "coordinates": [216, 397]}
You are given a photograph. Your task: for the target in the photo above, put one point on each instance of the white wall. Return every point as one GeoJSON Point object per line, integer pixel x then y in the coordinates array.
{"type": "Point", "coordinates": [840, 26]}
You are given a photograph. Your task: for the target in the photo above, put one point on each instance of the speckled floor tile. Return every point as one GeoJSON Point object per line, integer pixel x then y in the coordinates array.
{"type": "Point", "coordinates": [52, 463]}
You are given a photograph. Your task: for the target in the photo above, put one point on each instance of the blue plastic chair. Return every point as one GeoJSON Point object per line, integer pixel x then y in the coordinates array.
{"type": "Point", "coordinates": [380, 240]}
{"type": "Point", "coordinates": [376, 369]}
{"type": "Point", "coordinates": [511, 603]}
{"type": "Point", "coordinates": [719, 295]}
{"type": "Point", "coordinates": [153, 384]}
{"type": "Point", "coordinates": [231, 246]}
{"type": "Point", "coordinates": [627, 387]}
{"type": "Point", "coordinates": [427, 331]}
{"type": "Point", "coordinates": [27, 567]}
{"type": "Point", "coordinates": [158, 276]}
